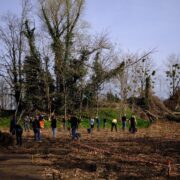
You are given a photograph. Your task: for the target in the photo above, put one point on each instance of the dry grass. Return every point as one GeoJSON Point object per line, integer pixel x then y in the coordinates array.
{"type": "Point", "coordinates": [101, 155]}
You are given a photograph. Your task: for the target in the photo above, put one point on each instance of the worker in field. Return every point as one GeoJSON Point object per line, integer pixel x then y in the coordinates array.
{"type": "Point", "coordinates": [12, 125]}
{"type": "Point", "coordinates": [104, 122]}
{"type": "Point", "coordinates": [91, 124]}
{"type": "Point", "coordinates": [19, 132]}
{"type": "Point", "coordinates": [42, 124]}
{"type": "Point", "coordinates": [27, 123]}
{"type": "Point", "coordinates": [74, 126]}
{"type": "Point", "coordinates": [124, 119]}
{"type": "Point", "coordinates": [98, 123]}
{"type": "Point", "coordinates": [36, 129]}
{"type": "Point", "coordinates": [114, 124]}
{"type": "Point", "coordinates": [41, 121]}
{"type": "Point", "coordinates": [53, 125]}
{"type": "Point", "coordinates": [133, 124]}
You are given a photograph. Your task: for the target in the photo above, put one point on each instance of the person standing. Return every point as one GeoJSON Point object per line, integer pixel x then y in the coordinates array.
{"type": "Point", "coordinates": [114, 124]}
{"type": "Point", "coordinates": [74, 125]}
{"type": "Point", "coordinates": [19, 132]}
{"type": "Point", "coordinates": [27, 123]}
{"type": "Point", "coordinates": [36, 129]}
{"type": "Point", "coordinates": [12, 125]}
{"type": "Point", "coordinates": [124, 122]}
{"type": "Point", "coordinates": [41, 121]}
{"type": "Point", "coordinates": [53, 126]}
{"type": "Point", "coordinates": [133, 124]}
{"type": "Point", "coordinates": [91, 124]}
{"type": "Point", "coordinates": [98, 123]}
{"type": "Point", "coordinates": [104, 123]}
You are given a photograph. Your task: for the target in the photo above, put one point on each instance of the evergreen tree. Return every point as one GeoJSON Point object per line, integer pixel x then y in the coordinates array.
{"type": "Point", "coordinates": [34, 85]}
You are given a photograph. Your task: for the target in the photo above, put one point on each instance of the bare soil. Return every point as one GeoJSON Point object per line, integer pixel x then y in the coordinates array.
{"type": "Point", "coordinates": [100, 155]}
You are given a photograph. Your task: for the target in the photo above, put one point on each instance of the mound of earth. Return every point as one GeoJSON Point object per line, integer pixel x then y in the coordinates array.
{"type": "Point", "coordinates": [173, 102]}
{"type": "Point", "coordinates": [154, 107]}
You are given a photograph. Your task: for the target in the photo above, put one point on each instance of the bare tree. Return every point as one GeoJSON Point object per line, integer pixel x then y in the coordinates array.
{"type": "Point", "coordinates": [173, 73]}
{"type": "Point", "coordinates": [12, 39]}
{"type": "Point", "coordinates": [132, 77]}
{"type": "Point", "coordinates": [3, 91]}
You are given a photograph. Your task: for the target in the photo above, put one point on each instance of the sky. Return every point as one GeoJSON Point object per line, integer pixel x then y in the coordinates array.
{"type": "Point", "coordinates": [136, 25]}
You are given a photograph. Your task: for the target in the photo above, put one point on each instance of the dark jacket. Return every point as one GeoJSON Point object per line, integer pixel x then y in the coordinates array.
{"type": "Point", "coordinates": [124, 118]}
{"type": "Point", "coordinates": [18, 130]}
{"type": "Point", "coordinates": [74, 122]}
{"type": "Point", "coordinates": [35, 124]}
{"type": "Point", "coordinates": [12, 125]}
{"type": "Point", "coordinates": [53, 123]}
{"type": "Point", "coordinates": [133, 122]}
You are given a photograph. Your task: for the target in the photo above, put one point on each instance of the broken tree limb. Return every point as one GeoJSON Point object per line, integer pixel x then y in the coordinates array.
{"type": "Point", "coordinates": [151, 116]}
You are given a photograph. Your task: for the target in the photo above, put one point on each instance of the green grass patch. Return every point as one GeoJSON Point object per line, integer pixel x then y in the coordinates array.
{"type": "Point", "coordinates": [4, 122]}
{"type": "Point", "coordinates": [85, 123]}
{"type": "Point", "coordinates": [108, 113]}
{"type": "Point", "coordinates": [141, 123]}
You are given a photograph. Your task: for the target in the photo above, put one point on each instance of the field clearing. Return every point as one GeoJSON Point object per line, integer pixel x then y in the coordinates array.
{"type": "Point", "coordinates": [101, 155]}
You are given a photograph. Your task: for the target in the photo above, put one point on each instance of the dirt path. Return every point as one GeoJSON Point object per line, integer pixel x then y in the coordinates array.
{"type": "Point", "coordinates": [101, 155]}
{"type": "Point", "coordinates": [18, 166]}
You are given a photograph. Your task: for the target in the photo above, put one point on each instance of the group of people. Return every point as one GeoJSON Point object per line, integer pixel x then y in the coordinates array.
{"type": "Point", "coordinates": [132, 122]}
{"type": "Point", "coordinates": [96, 120]}
{"type": "Point", "coordinates": [37, 124]}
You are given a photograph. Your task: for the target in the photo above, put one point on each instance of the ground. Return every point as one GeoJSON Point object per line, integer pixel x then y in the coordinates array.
{"type": "Point", "coordinates": [100, 155]}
